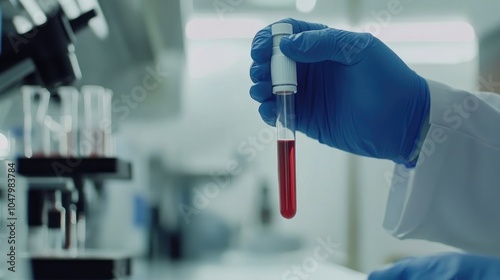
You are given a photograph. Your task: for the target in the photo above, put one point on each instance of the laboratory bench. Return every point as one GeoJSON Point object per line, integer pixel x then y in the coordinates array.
{"type": "Point", "coordinates": [205, 270]}
{"type": "Point", "coordinates": [163, 270]}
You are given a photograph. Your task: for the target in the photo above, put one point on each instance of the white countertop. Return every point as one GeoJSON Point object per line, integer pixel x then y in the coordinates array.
{"type": "Point", "coordinates": [221, 271]}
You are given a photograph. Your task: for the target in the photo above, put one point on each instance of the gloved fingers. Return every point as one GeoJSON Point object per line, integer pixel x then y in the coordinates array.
{"type": "Point", "coordinates": [395, 272]}
{"type": "Point", "coordinates": [263, 42]}
{"type": "Point", "coordinates": [327, 44]}
{"type": "Point", "coordinates": [262, 46]}
{"type": "Point", "coordinates": [267, 111]}
{"type": "Point", "coordinates": [301, 26]}
{"type": "Point", "coordinates": [262, 91]}
{"type": "Point", "coordinates": [260, 72]}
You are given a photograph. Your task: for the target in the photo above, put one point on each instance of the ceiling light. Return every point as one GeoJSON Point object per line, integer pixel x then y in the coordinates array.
{"type": "Point", "coordinates": [305, 6]}
{"type": "Point", "coordinates": [215, 28]}
{"type": "Point", "coordinates": [424, 32]}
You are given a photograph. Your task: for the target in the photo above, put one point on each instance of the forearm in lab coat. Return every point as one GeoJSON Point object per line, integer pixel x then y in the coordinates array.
{"type": "Point", "coordinates": [452, 196]}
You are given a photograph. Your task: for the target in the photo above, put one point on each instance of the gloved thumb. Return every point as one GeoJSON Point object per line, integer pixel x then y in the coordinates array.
{"type": "Point", "coordinates": [326, 44]}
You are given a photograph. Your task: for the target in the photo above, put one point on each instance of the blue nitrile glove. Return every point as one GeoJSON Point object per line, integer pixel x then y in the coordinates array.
{"type": "Point", "coordinates": [442, 267]}
{"type": "Point", "coordinates": [354, 93]}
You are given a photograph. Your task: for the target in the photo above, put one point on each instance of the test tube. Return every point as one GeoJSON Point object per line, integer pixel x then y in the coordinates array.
{"type": "Point", "coordinates": [36, 133]}
{"type": "Point", "coordinates": [69, 121]}
{"type": "Point", "coordinates": [52, 122]}
{"type": "Point", "coordinates": [96, 139]}
{"type": "Point", "coordinates": [284, 81]}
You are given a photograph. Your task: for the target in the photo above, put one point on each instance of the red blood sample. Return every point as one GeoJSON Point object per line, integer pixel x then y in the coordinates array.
{"type": "Point", "coordinates": [286, 171]}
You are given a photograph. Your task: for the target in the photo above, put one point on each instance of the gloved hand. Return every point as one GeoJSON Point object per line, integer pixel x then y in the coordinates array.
{"type": "Point", "coordinates": [442, 267]}
{"type": "Point", "coordinates": [353, 93]}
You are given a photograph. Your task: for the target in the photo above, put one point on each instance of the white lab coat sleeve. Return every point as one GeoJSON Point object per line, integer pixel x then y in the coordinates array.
{"type": "Point", "coordinates": [452, 196]}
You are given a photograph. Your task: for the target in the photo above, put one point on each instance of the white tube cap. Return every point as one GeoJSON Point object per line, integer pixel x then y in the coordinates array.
{"type": "Point", "coordinates": [283, 69]}
{"type": "Point", "coordinates": [281, 29]}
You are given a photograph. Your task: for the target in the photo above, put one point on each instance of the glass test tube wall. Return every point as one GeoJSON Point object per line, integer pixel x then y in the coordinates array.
{"type": "Point", "coordinates": [96, 138]}
{"type": "Point", "coordinates": [36, 133]}
{"type": "Point", "coordinates": [286, 153]}
{"type": "Point", "coordinates": [51, 123]}
{"type": "Point", "coordinates": [68, 145]}
{"type": "Point", "coordinates": [284, 81]}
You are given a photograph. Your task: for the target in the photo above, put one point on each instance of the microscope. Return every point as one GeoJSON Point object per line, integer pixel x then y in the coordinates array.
{"type": "Point", "coordinates": [38, 44]}
{"type": "Point", "coordinates": [39, 54]}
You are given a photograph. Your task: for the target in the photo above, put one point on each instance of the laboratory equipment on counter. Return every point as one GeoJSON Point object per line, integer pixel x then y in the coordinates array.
{"type": "Point", "coordinates": [71, 262]}
{"type": "Point", "coordinates": [284, 82]}
{"type": "Point", "coordinates": [37, 221]}
{"type": "Point", "coordinates": [38, 49]}
{"type": "Point", "coordinates": [47, 214]}
{"type": "Point", "coordinates": [69, 199]}
{"type": "Point", "coordinates": [56, 216]}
